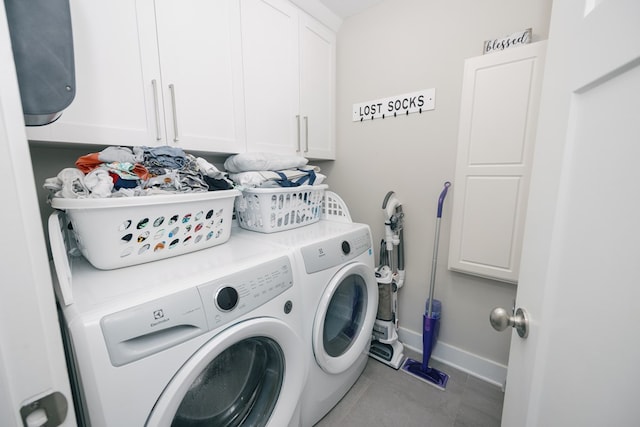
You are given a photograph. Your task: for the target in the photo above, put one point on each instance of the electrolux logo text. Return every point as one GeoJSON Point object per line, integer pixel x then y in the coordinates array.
{"type": "Point", "coordinates": [159, 317]}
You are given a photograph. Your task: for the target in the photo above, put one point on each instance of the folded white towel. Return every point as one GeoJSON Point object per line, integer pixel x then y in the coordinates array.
{"type": "Point", "coordinates": [245, 162]}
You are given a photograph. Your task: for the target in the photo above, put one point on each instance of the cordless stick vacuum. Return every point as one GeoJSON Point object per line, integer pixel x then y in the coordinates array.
{"type": "Point", "coordinates": [385, 346]}
{"type": "Point", "coordinates": [431, 320]}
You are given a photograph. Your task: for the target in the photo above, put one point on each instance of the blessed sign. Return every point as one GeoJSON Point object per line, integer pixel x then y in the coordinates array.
{"type": "Point", "coordinates": [415, 102]}
{"type": "Point", "coordinates": [515, 39]}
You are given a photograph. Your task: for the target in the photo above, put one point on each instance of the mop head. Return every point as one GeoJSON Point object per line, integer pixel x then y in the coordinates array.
{"type": "Point", "coordinates": [431, 376]}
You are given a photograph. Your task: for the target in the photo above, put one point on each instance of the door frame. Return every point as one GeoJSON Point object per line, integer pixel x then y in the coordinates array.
{"type": "Point", "coordinates": [31, 352]}
{"type": "Point", "coordinates": [587, 48]}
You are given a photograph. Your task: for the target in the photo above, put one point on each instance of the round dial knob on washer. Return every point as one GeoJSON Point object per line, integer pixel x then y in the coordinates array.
{"type": "Point", "coordinates": [226, 298]}
{"type": "Point", "coordinates": [346, 247]}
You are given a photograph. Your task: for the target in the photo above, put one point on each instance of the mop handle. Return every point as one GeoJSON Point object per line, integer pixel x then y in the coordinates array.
{"type": "Point", "coordinates": [443, 194]}
{"type": "Point", "coordinates": [434, 262]}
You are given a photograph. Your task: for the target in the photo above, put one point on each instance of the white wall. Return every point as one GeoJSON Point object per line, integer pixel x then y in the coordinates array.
{"type": "Point", "coordinates": [402, 46]}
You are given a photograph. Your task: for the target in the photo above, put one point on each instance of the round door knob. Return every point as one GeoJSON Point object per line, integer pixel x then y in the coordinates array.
{"type": "Point", "coordinates": [501, 319]}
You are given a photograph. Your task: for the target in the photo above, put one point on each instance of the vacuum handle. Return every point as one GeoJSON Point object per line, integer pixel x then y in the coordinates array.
{"type": "Point", "coordinates": [443, 194]}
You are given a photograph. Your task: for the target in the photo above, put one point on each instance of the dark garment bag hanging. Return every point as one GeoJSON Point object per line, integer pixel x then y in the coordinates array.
{"type": "Point", "coordinates": [42, 43]}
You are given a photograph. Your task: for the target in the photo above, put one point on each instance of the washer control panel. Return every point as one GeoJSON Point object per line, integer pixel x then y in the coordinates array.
{"type": "Point", "coordinates": [329, 253]}
{"type": "Point", "coordinates": [229, 298]}
{"type": "Point", "coordinates": [148, 328]}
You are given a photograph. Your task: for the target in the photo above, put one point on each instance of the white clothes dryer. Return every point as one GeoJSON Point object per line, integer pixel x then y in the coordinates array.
{"type": "Point", "coordinates": [208, 338]}
{"type": "Point", "coordinates": [334, 266]}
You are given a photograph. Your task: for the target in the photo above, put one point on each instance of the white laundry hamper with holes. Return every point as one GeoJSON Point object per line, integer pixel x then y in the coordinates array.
{"type": "Point", "coordinates": [123, 231]}
{"type": "Point", "coordinates": [268, 210]}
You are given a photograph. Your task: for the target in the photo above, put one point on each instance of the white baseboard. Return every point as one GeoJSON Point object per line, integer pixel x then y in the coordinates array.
{"type": "Point", "coordinates": [472, 364]}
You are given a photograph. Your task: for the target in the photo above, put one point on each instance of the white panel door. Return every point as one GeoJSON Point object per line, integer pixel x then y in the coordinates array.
{"type": "Point", "coordinates": [200, 57]}
{"type": "Point", "coordinates": [32, 363]}
{"type": "Point", "coordinates": [498, 113]}
{"type": "Point", "coordinates": [271, 79]}
{"type": "Point", "coordinates": [580, 270]}
{"type": "Point", "coordinates": [317, 89]}
{"type": "Point", "coordinates": [114, 102]}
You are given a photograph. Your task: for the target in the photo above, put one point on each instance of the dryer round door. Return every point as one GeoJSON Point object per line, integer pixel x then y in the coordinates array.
{"type": "Point", "coordinates": [251, 374]}
{"type": "Point", "coordinates": [344, 318]}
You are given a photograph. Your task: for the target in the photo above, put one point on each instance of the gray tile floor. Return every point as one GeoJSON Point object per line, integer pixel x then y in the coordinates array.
{"type": "Point", "coordinates": [384, 397]}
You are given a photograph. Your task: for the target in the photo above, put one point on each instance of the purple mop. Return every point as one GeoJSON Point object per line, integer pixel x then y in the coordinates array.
{"type": "Point", "coordinates": [431, 321]}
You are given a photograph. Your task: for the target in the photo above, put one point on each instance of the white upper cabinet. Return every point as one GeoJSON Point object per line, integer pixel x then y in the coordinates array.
{"type": "Point", "coordinates": [498, 116]}
{"type": "Point", "coordinates": [289, 80]}
{"type": "Point", "coordinates": [201, 67]}
{"type": "Point", "coordinates": [154, 73]}
{"type": "Point", "coordinates": [113, 103]}
{"type": "Point", "coordinates": [270, 61]}
{"type": "Point", "coordinates": [223, 76]}
{"type": "Point", "coordinates": [317, 89]}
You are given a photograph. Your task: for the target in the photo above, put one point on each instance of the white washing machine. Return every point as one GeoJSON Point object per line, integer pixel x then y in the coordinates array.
{"type": "Point", "coordinates": [208, 338]}
{"type": "Point", "coordinates": [334, 266]}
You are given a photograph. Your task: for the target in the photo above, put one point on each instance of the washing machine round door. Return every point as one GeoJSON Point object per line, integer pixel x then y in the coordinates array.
{"type": "Point", "coordinates": [251, 374]}
{"type": "Point", "coordinates": [344, 318]}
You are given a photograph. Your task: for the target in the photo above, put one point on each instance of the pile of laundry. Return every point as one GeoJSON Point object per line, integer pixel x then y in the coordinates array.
{"type": "Point", "coordinates": [270, 170]}
{"type": "Point", "coordinates": [138, 171]}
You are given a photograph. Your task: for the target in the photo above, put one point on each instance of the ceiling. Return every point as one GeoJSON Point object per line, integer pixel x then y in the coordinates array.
{"type": "Point", "coordinates": [346, 8]}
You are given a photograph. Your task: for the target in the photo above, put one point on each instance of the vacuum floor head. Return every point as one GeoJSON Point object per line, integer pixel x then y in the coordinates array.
{"type": "Point", "coordinates": [389, 354]}
{"type": "Point", "coordinates": [383, 351]}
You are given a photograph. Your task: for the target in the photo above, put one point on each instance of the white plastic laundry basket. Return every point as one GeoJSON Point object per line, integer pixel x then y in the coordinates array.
{"type": "Point", "coordinates": [269, 210]}
{"type": "Point", "coordinates": [123, 231]}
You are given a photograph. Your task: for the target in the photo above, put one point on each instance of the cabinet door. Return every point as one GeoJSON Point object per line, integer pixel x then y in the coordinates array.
{"type": "Point", "coordinates": [271, 82]}
{"type": "Point", "coordinates": [200, 57]}
{"type": "Point", "coordinates": [498, 114]}
{"type": "Point", "coordinates": [317, 89]}
{"type": "Point", "coordinates": [114, 97]}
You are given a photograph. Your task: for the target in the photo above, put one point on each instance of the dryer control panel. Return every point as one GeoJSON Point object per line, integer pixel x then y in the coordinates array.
{"type": "Point", "coordinates": [329, 253]}
{"type": "Point", "coordinates": [148, 328]}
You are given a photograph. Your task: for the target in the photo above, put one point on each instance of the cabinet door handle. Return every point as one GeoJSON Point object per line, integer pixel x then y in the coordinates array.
{"type": "Point", "coordinates": [176, 137]}
{"type": "Point", "coordinates": [298, 121]}
{"type": "Point", "coordinates": [306, 134]}
{"type": "Point", "coordinates": [156, 104]}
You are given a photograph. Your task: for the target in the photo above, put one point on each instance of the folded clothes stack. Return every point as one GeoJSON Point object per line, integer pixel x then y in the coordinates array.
{"type": "Point", "coordinates": [137, 171]}
{"type": "Point", "coordinates": [269, 170]}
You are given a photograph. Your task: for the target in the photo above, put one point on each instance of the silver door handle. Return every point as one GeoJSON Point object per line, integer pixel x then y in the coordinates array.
{"type": "Point", "coordinates": [176, 137]}
{"type": "Point", "coordinates": [298, 121]}
{"type": "Point", "coordinates": [306, 134]}
{"type": "Point", "coordinates": [501, 320]}
{"type": "Point", "coordinates": [156, 103]}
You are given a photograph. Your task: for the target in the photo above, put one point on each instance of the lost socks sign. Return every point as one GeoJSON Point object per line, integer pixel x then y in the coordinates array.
{"type": "Point", "coordinates": [416, 102]}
